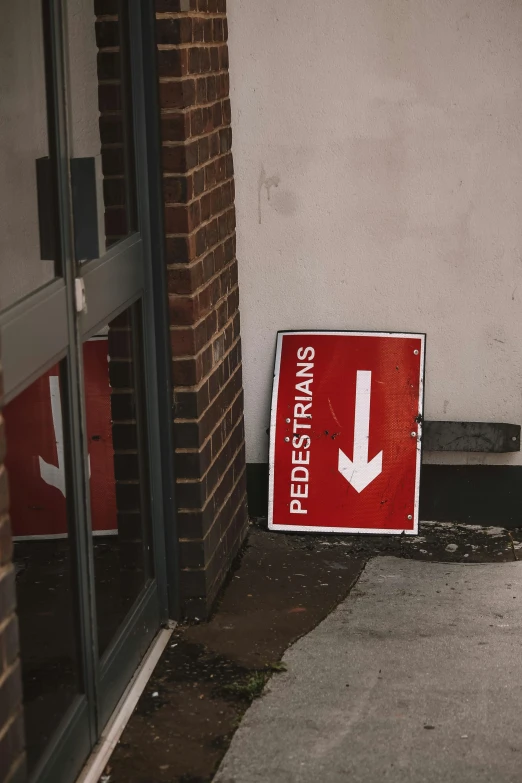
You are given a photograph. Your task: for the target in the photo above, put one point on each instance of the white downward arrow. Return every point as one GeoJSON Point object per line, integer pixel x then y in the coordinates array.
{"type": "Point", "coordinates": [360, 472]}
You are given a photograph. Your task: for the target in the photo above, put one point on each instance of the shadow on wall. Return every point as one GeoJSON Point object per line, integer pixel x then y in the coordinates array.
{"type": "Point", "coordinates": [468, 494]}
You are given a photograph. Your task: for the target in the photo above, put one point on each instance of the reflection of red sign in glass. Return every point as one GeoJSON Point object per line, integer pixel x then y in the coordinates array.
{"type": "Point", "coordinates": [345, 435]}
{"type": "Point", "coordinates": [35, 451]}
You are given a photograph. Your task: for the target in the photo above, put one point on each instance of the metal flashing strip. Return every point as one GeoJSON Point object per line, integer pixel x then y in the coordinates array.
{"type": "Point", "coordinates": [471, 436]}
{"type": "Point", "coordinates": [110, 736]}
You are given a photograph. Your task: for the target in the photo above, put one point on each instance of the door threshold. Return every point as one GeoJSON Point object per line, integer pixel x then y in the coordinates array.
{"type": "Point", "coordinates": [111, 734]}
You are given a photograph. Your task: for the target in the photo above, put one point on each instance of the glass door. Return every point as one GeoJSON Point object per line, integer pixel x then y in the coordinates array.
{"type": "Point", "coordinates": [78, 357]}
{"type": "Point", "coordinates": [110, 228]}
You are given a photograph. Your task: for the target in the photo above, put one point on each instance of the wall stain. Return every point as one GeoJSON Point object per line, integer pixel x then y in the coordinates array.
{"type": "Point", "coordinates": [268, 183]}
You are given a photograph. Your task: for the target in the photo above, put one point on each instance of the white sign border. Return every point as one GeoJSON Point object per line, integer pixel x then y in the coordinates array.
{"type": "Point", "coordinates": [273, 427]}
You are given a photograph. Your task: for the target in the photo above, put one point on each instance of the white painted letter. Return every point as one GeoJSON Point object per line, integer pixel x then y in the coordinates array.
{"type": "Point", "coordinates": [295, 507]}
{"type": "Point", "coordinates": [304, 387]}
{"type": "Point", "coordinates": [306, 353]}
{"type": "Point", "coordinates": [305, 372]}
{"type": "Point", "coordinates": [295, 491]}
{"type": "Point", "coordinates": [301, 441]}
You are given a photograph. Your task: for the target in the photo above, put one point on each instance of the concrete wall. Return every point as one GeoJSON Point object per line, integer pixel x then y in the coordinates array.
{"type": "Point", "coordinates": [378, 159]}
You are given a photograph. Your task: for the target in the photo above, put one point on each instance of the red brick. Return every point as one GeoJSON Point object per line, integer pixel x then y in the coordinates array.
{"type": "Point", "coordinates": [183, 310]}
{"type": "Point", "coordinates": [180, 250]}
{"type": "Point", "coordinates": [180, 158]}
{"type": "Point", "coordinates": [175, 127]}
{"type": "Point", "coordinates": [187, 372]}
{"type": "Point", "coordinates": [182, 219]}
{"type": "Point", "coordinates": [185, 279]}
{"type": "Point", "coordinates": [202, 288]}
{"type": "Point", "coordinates": [223, 57]}
{"type": "Point", "coordinates": [11, 750]}
{"type": "Point", "coordinates": [174, 30]}
{"type": "Point", "coordinates": [116, 221]}
{"type": "Point", "coordinates": [227, 112]}
{"type": "Point", "coordinates": [201, 90]}
{"type": "Point", "coordinates": [177, 94]}
{"type": "Point", "coordinates": [174, 6]}
{"type": "Point", "coordinates": [208, 30]}
{"type": "Point", "coordinates": [173, 62]}
{"type": "Point", "coordinates": [206, 60]}
{"type": "Point", "coordinates": [197, 30]}
{"type": "Point", "coordinates": [109, 97]}
{"type": "Point", "coordinates": [183, 341]}
{"type": "Point", "coordinates": [107, 34]}
{"type": "Point", "coordinates": [178, 190]}
{"type": "Point", "coordinates": [113, 161]}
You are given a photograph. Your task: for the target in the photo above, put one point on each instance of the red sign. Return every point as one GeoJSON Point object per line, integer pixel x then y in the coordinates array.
{"type": "Point", "coordinates": [35, 458]}
{"type": "Point", "coordinates": [345, 434]}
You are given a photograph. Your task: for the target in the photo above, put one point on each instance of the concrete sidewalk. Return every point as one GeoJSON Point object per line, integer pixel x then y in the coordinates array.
{"type": "Point", "coordinates": [416, 677]}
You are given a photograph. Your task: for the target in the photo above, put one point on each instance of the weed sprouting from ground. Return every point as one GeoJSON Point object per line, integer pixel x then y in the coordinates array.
{"type": "Point", "coordinates": [277, 667]}
{"type": "Point", "coordinates": [249, 689]}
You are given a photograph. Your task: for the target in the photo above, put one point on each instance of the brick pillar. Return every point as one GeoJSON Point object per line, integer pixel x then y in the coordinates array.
{"type": "Point", "coordinates": [203, 293]}
{"type": "Point", "coordinates": [12, 759]}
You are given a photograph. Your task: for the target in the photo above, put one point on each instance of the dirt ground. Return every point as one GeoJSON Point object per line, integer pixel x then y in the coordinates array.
{"type": "Point", "coordinates": [282, 586]}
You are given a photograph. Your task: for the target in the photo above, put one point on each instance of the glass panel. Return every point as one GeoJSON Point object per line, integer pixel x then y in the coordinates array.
{"type": "Point", "coordinates": [28, 235]}
{"type": "Point", "coordinates": [43, 556]}
{"type": "Point", "coordinates": [102, 169]}
{"type": "Point", "coordinates": [118, 486]}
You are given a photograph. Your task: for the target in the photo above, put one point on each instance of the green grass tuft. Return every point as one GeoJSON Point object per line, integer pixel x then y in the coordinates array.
{"type": "Point", "coordinates": [248, 689]}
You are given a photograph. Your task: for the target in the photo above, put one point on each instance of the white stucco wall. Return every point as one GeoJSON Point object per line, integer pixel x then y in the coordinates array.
{"type": "Point", "coordinates": [378, 159]}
